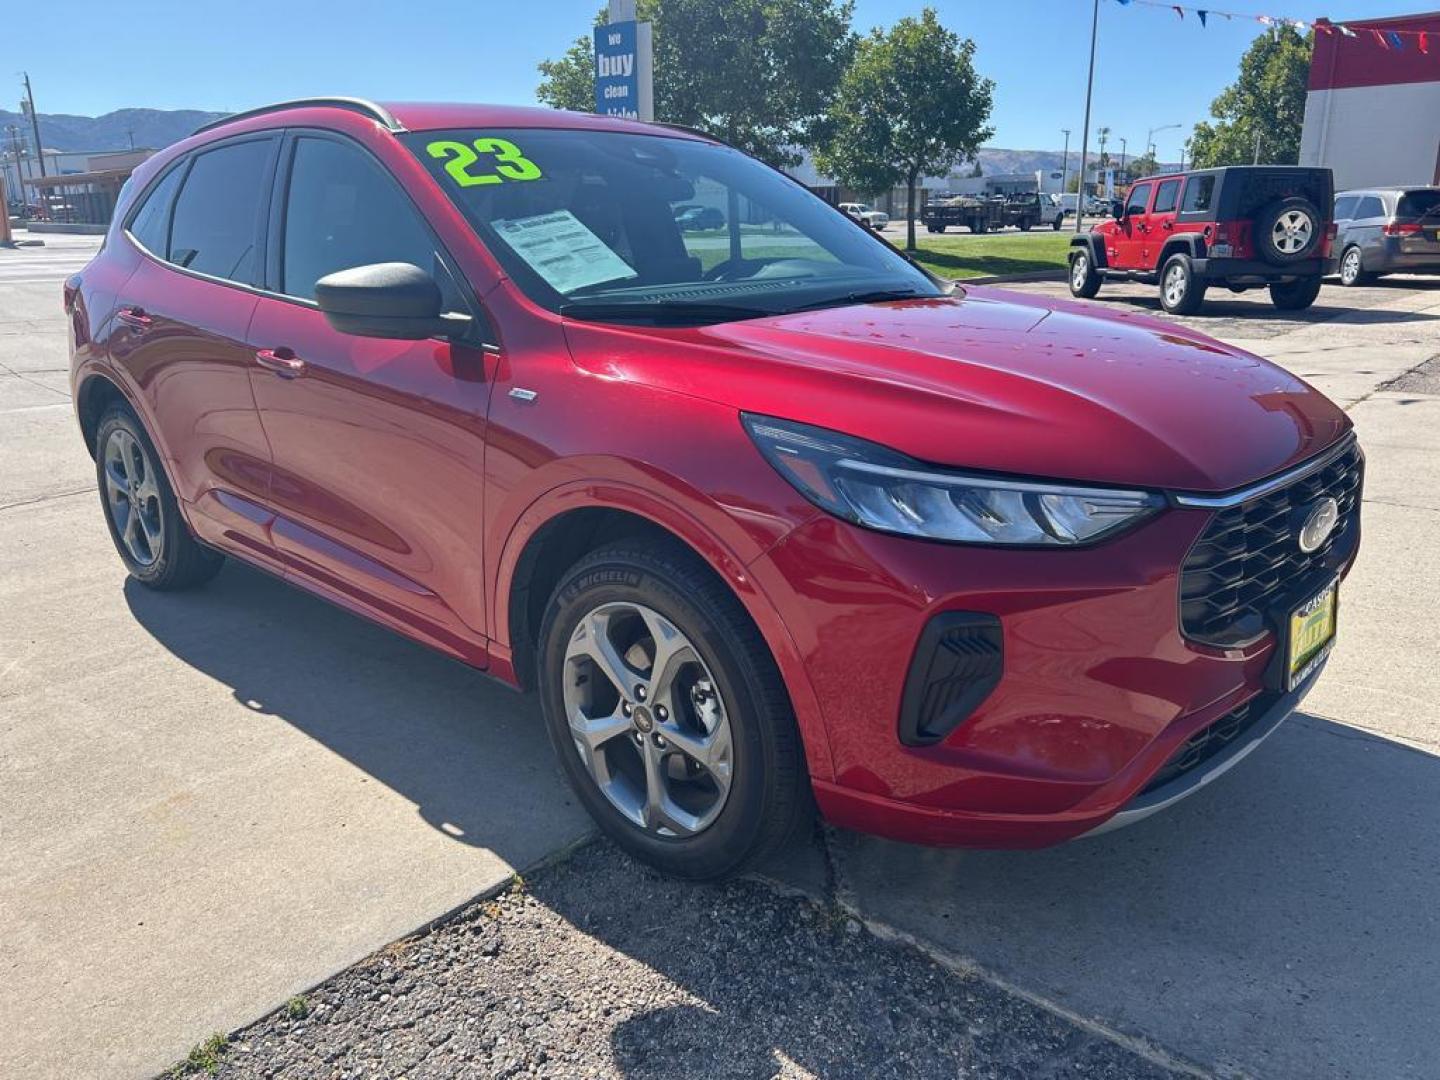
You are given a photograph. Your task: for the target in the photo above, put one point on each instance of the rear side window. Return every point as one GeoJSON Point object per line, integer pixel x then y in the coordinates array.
{"type": "Point", "coordinates": [1370, 207]}
{"type": "Point", "coordinates": [1199, 195]}
{"type": "Point", "coordinates": [1418, 203]}
{"type": "Point", "coordinates": [1345, 207]}
{"type": "Point", "coordinates": [1138, 200]}
{"type": "Point", "coordinates": [151, 223]}
{"type": "Point", "coordinates": [343, 210]}
{"type": "Point", "coordinates": [216, 217]}
{"type": "Point", "coordinates": [1166, 196]}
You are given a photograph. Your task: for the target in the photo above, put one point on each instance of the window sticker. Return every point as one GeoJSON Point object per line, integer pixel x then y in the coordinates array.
{"type": "Point", "coordinates": [563, 251]}
{"type": "Point", "coordinates": [506, 158]}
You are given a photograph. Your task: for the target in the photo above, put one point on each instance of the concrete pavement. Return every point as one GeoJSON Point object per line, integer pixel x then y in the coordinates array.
{"type": "Point", "coordinates": [1283, 921]}
{"type": "Point", "coordinates": [210, 801]}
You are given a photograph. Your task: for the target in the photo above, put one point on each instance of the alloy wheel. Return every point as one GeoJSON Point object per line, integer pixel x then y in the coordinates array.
{"type": "Point", "coordinates": [1350, 267]}
{"type": "Point", "coordinates": [1291, 232]}
{"type": "Point", "coordinates": [1175, 285]}
{"type": "Point", "coordinates": [1079, 270]}
{"type": "Point", "coordinates": [647, 720]}
{"type": "Point", "coordinates": [133, 498]}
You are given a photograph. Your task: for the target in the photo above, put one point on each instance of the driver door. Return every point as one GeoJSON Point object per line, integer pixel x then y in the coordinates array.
{"type": "Point", "coordinates": [1132, 231]}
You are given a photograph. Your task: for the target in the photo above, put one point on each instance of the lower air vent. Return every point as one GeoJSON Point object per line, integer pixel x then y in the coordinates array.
{"type": "Point", "coordinates": [957, 663]}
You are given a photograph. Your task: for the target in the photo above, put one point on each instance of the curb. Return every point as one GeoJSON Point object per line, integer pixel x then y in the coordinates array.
{"type": "Point", "coordinates": [1058, 274]}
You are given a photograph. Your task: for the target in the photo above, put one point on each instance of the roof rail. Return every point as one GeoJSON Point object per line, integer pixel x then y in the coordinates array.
{"type": "Point", "coordinates": [359, 105]}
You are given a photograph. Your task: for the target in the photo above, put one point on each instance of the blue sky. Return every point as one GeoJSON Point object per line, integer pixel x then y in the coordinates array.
{"type": "Point", "coordinates": [1152, 69]}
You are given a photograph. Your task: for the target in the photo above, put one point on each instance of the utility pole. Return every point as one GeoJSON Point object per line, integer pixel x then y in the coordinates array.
{"type": "Point", "coordinates": [1065, 163]}
{"type": "Point", "coordinates": [130, 133]}
{"type": "Point", "coordinates": [34, 123]}
{"type": "Point", "coordinates": [1085, 128]}
{"type": "Point", "coordinates": [1257, 145]}
{"type": "Point", "coordinates": [1123, 145]}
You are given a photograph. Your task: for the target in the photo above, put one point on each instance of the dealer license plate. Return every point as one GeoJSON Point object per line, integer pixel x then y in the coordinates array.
{"type": "Point", "coordinates": [1312, 633]}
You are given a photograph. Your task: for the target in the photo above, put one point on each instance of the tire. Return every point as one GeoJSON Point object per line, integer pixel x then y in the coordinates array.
{"type": "Point", "coordinates": [1352, 268]}
{"type": "Point", "coordinates": [155, 545]}
{"type": "Point", "coordinates": [1024, 226]}
{"type": "Point", "coordinates": [707, 822]}
{"type": "Point", "coordinates": [1084, 278]}
{"type": "Point", "coordinates": [1288, 231]}
{"type": "Point", "coordinates": [937, 228]}
{"type": "Point", "coordinates": [1295, 295]}
{"type": "Point", "coordinates": [1180, 292]}
{"type": "Point", "coordinates": [1058, 222]}
{"type": "Point", "coordinates": [978, 228]}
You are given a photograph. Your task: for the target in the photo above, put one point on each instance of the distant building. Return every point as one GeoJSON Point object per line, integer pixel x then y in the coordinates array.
{"type": "Point", "coordinates": [1372, 113]}
{"type": "Point", "coordinates": [79, 187]}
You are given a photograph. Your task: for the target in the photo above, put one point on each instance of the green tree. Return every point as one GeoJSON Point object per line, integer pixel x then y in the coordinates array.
{"type": "Point", "coordinates": [1260, 115]}
{"type": "Point", "coordinates": [569, 83]}
{"type": "Point", "coordinates": [976, 171]}
{"type": "Point", "coordinates": [1143, 165]}
{"type": "Point", "coordinates": [756, 73]}
{"type": "Point", "coordinates": [910, 105]}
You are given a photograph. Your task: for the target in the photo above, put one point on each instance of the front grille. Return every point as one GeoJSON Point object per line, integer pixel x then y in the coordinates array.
{"type": "Point", "coordinates": [1209, 741]}
{"type": "Point", "coordinates": [1248, 556]}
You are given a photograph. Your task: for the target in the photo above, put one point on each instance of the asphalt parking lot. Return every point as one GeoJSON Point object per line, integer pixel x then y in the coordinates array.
{"type": "Point", "coordinates": [211, 802]}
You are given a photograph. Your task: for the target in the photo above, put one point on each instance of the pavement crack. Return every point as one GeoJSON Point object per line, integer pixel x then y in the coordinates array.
{"type": "Point", "coordinates": [44, 498]}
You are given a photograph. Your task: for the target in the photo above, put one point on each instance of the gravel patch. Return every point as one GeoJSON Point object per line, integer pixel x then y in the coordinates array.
{"type": "Point", "coordinates": [599, 967]}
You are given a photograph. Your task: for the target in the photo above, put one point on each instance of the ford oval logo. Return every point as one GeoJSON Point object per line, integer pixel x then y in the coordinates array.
{"type": "Point", "coordinates": [1319, 523]}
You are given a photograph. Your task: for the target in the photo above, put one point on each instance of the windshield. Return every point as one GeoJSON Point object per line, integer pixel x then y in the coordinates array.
{"type": "Point", "coordinates": [623, 227]}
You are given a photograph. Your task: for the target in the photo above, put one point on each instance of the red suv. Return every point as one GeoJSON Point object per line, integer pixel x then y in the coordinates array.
{"type": "Point", "coordinates": [759, 513]}
{"type": "Point", "coordinates": [1243, 227]}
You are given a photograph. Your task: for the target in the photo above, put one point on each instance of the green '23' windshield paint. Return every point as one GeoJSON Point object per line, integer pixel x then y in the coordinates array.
{"type": "Point", "coordinates": [510, 163]}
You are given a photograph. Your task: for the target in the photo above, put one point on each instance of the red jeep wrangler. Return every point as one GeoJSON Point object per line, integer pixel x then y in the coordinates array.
{"type": "Point", "coordinates": [1242, 227]}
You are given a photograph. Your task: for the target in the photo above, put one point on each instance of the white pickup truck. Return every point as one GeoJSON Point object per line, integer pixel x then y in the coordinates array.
{"type": "Point", "coordinates": [861, 212]}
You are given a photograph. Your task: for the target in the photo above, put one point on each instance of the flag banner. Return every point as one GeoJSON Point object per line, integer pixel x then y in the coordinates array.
{"type": "Point", "coordinates": [1385, 38]}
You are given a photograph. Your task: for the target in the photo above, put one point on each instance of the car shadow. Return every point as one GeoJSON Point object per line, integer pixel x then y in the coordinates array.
{"type": "Point", "coordinates": [1280, 922]}
{"type": "Point", "coordinates": [471, 754]}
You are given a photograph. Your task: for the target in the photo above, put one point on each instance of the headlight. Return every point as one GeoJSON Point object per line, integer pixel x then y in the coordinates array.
{"type": "Point", "coordinates": [881, 489]}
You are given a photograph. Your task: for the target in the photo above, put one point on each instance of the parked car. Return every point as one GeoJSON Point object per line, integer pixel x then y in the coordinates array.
{"type": "Point", "coordinates": [701, 219]}
{"type": "Point", "coordinates": [1386, 231]}
{"type": "Point", "coordinates": [1243, 227]}
{"type": "Point", "coordinates": [977, 213]}
{"type": "Point", "coordinates": [969, 568]}
{"type": "Point", "coordinates": [863, 213]}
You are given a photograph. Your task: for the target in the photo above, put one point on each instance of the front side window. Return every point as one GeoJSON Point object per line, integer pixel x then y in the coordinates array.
{"type": "Point", "coordinates": [342, 211]}
{"type": "Point", "coordinates": [217, 214]}
{"type": "Point", "coordinates": [1165, 197]}
{"type": "Point", "coordinates": [1138, 200]}
{"type": "Point", "coordinates": [151, 223]}
{"type": "Point", "coordinates": [614, 225]}
{"type": "Point", "coordinates": [1199, 195]}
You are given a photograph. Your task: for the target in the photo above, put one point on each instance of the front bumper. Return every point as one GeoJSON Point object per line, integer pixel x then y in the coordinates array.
{"type": "Point", "coordinates": [1099, 688]}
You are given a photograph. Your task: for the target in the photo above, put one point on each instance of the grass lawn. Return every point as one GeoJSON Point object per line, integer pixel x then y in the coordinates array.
{"type": "Point", "coordinates": [962, 255]}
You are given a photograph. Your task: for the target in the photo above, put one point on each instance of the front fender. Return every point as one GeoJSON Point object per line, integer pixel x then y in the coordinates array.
{"type": "Point", "coordinates": [686, 515]}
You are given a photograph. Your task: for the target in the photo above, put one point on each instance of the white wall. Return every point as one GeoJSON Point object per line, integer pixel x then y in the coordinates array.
{"type": "Point", "coordinates": [1374, 136]}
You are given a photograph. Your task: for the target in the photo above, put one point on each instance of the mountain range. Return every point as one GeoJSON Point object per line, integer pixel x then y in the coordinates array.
{"type": "Point", "coordinates": [156, 128]}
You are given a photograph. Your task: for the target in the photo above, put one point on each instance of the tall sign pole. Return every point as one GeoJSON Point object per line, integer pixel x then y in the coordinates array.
{"type": "Point", "coordinates": [1085, 128]}
{"type": "Point", "coordinates": [34, 124]}
{"type": "Point", "coordinates": [624, 65]}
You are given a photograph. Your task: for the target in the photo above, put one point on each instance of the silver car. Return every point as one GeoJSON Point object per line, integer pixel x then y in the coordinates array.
{"type": "Point", "coordinates": [1386, 231]}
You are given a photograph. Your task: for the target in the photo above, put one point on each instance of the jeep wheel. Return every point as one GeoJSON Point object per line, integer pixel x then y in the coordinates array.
{"type": "Point", "coordinates": [667, 712]}
{"type": "Point", "coordinates": [1352, 268]}
{"type": "Point", "coordinates": [1084, 278]}
{"type": "Point", "coordinates": [1295, 295]}
{"type": "Point", "coordinates": [1180, 292]}
{"type": "Point", "coordinates": [1288, 231]}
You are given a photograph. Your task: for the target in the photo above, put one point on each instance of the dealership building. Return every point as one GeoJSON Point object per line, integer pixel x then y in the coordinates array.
{"type": "Point", "coordinates": [1372, 112]}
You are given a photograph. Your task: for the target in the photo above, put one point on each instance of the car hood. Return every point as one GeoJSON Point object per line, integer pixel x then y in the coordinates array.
{"type": "Point", "coordinates": [998, 381]}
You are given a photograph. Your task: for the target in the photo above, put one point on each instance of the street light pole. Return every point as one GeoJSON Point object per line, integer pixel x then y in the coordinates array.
{"type": "Point", "coordinates": [1065, 164]}
{"type": "Point", "coordinates": [1150, 139]}
{"type": "Point", "coordinates": [34, 124]}
{"type": "Point", "coordinates": [1123, 145]}
{"type": "Point", "coordinates": [1085, 128]}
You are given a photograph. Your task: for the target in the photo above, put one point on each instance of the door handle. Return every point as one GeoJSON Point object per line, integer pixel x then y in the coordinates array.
{"type": "Point", "coordinates": [134, 318]}
{"type": "Point", "coordinates": [1167, 225]}
{"type": "Point", "coordinates": [281, 361]}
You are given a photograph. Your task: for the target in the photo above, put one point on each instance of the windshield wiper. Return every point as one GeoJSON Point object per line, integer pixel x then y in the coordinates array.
{"type": "Point", "coordinates": [871, 296]}
{"type": "Point", "coordinates": [677, 311]}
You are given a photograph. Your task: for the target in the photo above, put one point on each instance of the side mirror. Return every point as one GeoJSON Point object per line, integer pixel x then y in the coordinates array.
{"type": "Point", "coordinates": [386, 300]}
{"type": "Point", "coordinates": [1117, 209]}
